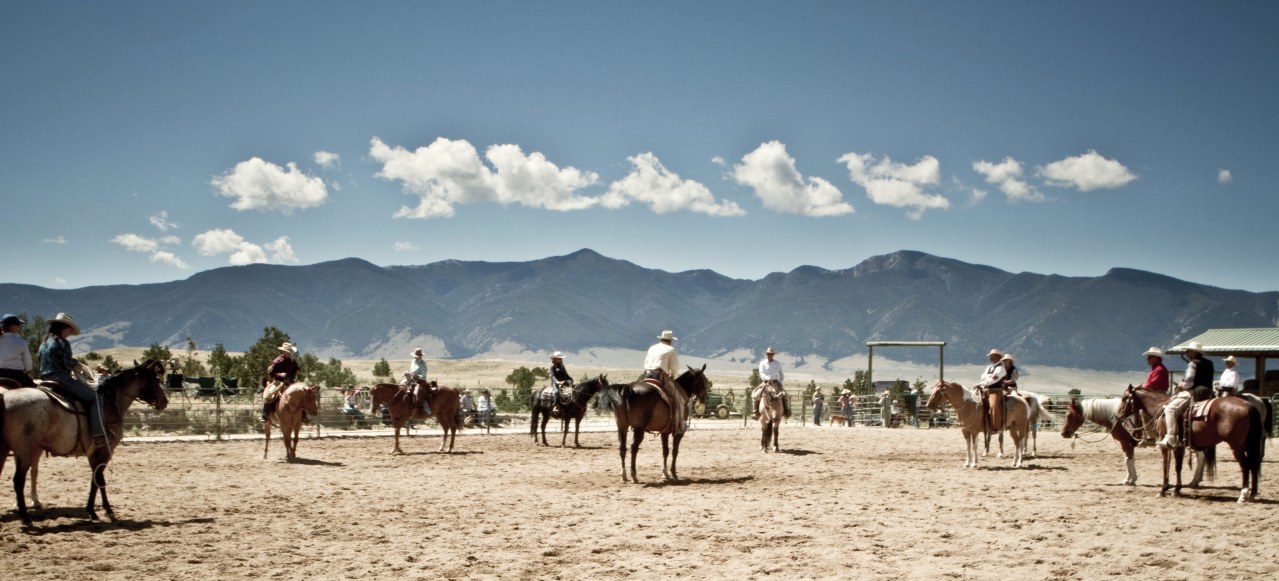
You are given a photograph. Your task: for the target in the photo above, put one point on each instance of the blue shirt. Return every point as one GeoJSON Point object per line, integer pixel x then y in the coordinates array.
{"type": "Point", "coordinates": [56, 358]}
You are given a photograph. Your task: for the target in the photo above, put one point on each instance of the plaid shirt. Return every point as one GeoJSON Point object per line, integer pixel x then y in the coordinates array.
{"type": "Point", "coordinates": [56, 358]}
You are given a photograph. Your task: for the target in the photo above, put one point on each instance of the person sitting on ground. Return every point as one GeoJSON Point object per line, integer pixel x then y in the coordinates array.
{"type": "Point", "coordinates": [1229, 383]}
{"type": "Point", "coordinates": [15, 353]}
{"type": "Point", "coordinates": [559, 380]}
{"type": "Point", "coordinates": [416, 374]}
{"type": "Point", "coordinates": [770, 371]}
{"type": "Point", "coordinates": [280, 374]}
{"type": "Point", "coordinates": [58, 365]}
{"type": "Point", "coordinates": [1196, 386]}
{"type": "Point", "coordinates": [466, 406]}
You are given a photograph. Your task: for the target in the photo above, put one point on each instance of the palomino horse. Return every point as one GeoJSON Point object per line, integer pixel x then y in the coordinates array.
{"type": "Point", "coordinates": [403, 406]}
{"type": "Point", "coordinates": [572, 408]}
{"type": "Point", "coordinates": [287, 412]}
{"type": "Point", "coordinates": [640, 406]}
{"type": "Point", "coordinates": [1229, 419]}
{"type": "Point", "coordinates": [770, 415]}
{"type": "Point", "coordinates": [1105, 413]}
{"type": "Point", "coordinates": [31, 423]}
{"type": "Point", "coordinates": [972, 424]}
{"type": "Point", "coordinates": [1034, 403]}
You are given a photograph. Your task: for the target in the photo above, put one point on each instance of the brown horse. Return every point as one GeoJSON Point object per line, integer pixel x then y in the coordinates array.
{"type": "Point", "coordinates": [403, 406]}
{"type": "Point", "coordinates": [287, 412]}
{"type": "Point", "coordinates": [972, 423]}
{"type": "Point", "coordinates": [770, 415]}
{"type": "Point", "coordinates": [572, 408]}
{"type": "Point", "coordinates": [32, 423]}
{"type": "Point", "coordinates": [1230, 419]}
{"type": "Point", "coordinates": [641, 407]}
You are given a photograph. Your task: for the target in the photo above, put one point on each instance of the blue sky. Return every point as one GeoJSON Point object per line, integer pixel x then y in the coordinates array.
{"type": "Point", "coordinates": [147, 141]}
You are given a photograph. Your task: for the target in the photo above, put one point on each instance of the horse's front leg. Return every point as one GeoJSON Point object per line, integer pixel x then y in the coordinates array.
{"type": "Point", "coordinates": [577, 431]}
{"type": "Point", "coordinates": [637, 436]}
{"type": "Point", "coordinates": [100, 480]}
{"type": "Point", "coordinates": [666, 452]}
{"type": "Point", "coordinates": [763, 436]}
{"type": "Point", "coordinates": [35, 480]}
{"type": "Point", "coordinates": [266, 445]}
{"type": "Point", "coordinates": [675, 455]}
{"type": "Point", "coordinates": [777, 430]}
{"type": "Point", "coordinates": [621, 448]}
{"type": "Point", "coordinates": [1130, 462]}
{"type": "Point", "coordinates": [1180, 455]}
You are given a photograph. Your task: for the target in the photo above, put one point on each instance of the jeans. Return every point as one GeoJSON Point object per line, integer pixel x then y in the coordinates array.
{"type": "Point", "coordinates": [817, 414]}
{"type": "Point", "coordinates": [79, 391]}
{"type": "Point", "coordinates": [849, 420]}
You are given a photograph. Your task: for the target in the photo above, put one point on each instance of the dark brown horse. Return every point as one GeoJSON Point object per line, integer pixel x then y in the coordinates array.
{"type": "Point", "coordinates": [572, 408]}
{"type": "Point", "coordinates": [1230, 420]}
{"type": "Point", "coordinates": [31, 423]}
{"type": "Point", "coordinates": [403, 406]}
{"type": "Point", "coordinates": [287, 412]}
{"type": "Point", "coordinates": [641, 407]}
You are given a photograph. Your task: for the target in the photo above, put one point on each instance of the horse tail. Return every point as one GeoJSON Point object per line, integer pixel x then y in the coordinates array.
{"type": "Point", "coordinates": [611, 396]}
{"type": "Point", "coordinates": [1268, 421]}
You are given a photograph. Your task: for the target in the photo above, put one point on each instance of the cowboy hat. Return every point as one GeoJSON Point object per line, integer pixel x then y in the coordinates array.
{"type": "Point", "coordinates": [557, 355]}
{"type": "Point", "coordinates": [770, 351]}
{"type": "Point", "coordinates": [288, 347]}
{"type": "Point", "coordinates": [417, 352]}
{"type": "Point", "coordinates": [845, 392]}
{"type": "Point", "coordinates": [68, 321]}
{"type": "Point", "coordinates": [995, 352]}
{"type": "Point", "coordinates": [1007, 357]}
{"type": "Point", "coordinates": [1195, 346]}
{"type": "Point", "coordinates": [1231, 359]}
{"type": "Point", "coordinates": [667, 335]}
{"type": "Point", "coordinates": [1154, 352]}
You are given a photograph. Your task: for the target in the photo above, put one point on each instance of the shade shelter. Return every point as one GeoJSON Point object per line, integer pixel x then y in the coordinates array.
{"type": "Point", "coordinates": [1258, 344]}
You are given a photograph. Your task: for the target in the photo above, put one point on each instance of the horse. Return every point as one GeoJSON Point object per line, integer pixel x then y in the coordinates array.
{"type": "Point", "coordinates": [1229, 419]}
{"type": "Point", "coordinates": [572, 408]}
{"type": "Point", "coordinates": [640, 406]}
{"type": "Point", "coordinates": [1267, 411]}
{"type": "Point", "coordinates": [287, 412]}
{"type": "Point", "coordinates": [770, 415]}
{"type": "Point", "coordinates": [1035, 403]}
{"type": "Point", "coordinates": [1105, 413]}
{"type": "Point", "coordinates": [32, 422]}
{"type": "Point", "coordinates": [972, 424]}
{"type": "Point", "coordinates": [403, 407]}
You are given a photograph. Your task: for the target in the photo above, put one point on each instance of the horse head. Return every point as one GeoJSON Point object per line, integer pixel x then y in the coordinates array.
{"type": "Point", "coordinates": [938, 396]}
{"type": "Point", "coordinates": [311, 400]}
{"type": "Point", "coordinates": [142, 381]}
{"type": "Point", "coordinates": [1074, 418]}
{"type": "Point", "coordinates": [694, 382]}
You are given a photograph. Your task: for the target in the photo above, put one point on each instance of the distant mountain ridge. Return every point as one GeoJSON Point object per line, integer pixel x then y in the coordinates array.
{"type": "Point", "coordinates": [352, 308]}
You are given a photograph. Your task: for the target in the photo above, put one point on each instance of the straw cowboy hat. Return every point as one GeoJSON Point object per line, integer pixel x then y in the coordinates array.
{"type": "Point", "coordinates": [1195, 346]}
{"type": "Point", "coordinates": [417, 352]}
{"type": "Point", "coordinates": [1007, 357]}
{"type": "Point", "coordinates": [995, 352]}
{"type": "Point", "coordinates": [667, 335]}
{"type": "Point", "coordinates": [1154, 352]}
{"type": "Point", "coordinates": [288, 347]}
{"type": "Point", "coordinates": [1231, 359]}
{"type": "Point", "coordinates": [68, 321]}
{"type": "Point", "coordinates": [846, 392]}
{"type": "Point", "coordinates": [557, 355]}
{"type": "Point", "coordinates": [770, 351]}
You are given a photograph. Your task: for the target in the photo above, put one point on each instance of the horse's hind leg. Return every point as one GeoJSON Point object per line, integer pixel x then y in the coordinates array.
{"type": "Point", "coordinates": [637, 436]}
{"type": "Point", "coordinates": [577, 431]}
{"type": "Point", "coordinates": [777, 430]}
{"type": "Point", "coordinates": [564, 432]}
{"type": "Point", "coordinates": [621, 446]}
{"type": "Point", "coordinates": [20, 467]}
{"type": "Point", "coordinates": [666, 452]}
{"type": "Point", "coordinates": [675, 455]}
{"type": "Point", "coordinates": [35, 480]}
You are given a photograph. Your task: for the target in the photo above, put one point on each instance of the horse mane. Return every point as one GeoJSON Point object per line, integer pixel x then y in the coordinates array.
{"type": "Point", "coordinates": [1100, 411]}
{"type": "Point", "coordinates": [113, 383]}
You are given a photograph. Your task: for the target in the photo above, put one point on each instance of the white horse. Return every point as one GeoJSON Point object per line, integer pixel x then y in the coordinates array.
{"type": "Point", "coordinates": [1103, 412]}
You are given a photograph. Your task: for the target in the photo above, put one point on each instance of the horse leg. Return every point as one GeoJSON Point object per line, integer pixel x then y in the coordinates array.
{"type": "Point", "coordinates": [764, 428]}
{"type": "Point", "coordinates": [1198, 459]}
{"type": "Point", "coordinates": [637, 436]}
{"type": "Point", "coordinates": [675, 455]}
{"type": "Point", "coordinates": [1130, 462]}
{"type": "Point", "coordinates": [546, 418]}
{"type": "Point", "coordinates": [35, 476]}
{"type": "Point", "coordinates": [777, 430]}
{"type": "Point", "coordinates": [266, 427]}
{"type": "Point", "coordinates": [577, 430]}
{"type": "Point", "coordinates": [396, 424]}
{"type": "Point", "coordinates": [100, 482]}
{"type": "Point", "coordinates": [563, 429]}
{"type": "Point", "coordinates": [666, 452]}
{"type": "Point", "coordinates": [20, 467]}
{"type": "Point", "coordinates": [1241, 457]}
{"type": "Point", "coordinates": [621, 447]}
{"type": "Point", "coordinates": [452, 437]}
{"type": "Point", "coordinates": [532, 425]}
{"type": "Point", "coordinates": [1180, 455]}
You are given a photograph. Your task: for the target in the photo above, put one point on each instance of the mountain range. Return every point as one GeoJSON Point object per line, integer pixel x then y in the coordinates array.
{"type": "Point", "coordinates": [455, 309]}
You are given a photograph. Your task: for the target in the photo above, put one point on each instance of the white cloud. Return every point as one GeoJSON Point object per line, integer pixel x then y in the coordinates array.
{"type": "Point", "coordinates": [1087, 172]}
{"type": "Point", "coordinates": [1007, 176]}
{"type": "Point", "coordinates": [226, 241]}
{"type": "Point", "coordinates": [55, 240]}
{"type": "Point", "coordinates": [327, 159]}
{"type": "Point", "coordinates": [771, 173]}
{"type": "Point", "coordinates": [405, 246]}
{"type": "Point", "coordinates": [281, 250]}
{"type": "Point", "coordinates": [136, 243]}
{"type": "Point", "coordinates": [717, 160]}
{"type": "Point", "coordinates": [447, 173]}
{"type": "Point", "coordinates": [895, 184]}
{"type": "Point", "coordinates": [161, 221]}
{"type": "Point", "coordinates": [1224, 177]}
{"type": "Point", "coordinates": [266, 187]}
{"type": "Point", "coordinates": [663, 191]}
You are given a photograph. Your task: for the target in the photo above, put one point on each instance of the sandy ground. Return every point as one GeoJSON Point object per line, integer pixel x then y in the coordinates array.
{"type": "Point", "coordinates": [837, 502]}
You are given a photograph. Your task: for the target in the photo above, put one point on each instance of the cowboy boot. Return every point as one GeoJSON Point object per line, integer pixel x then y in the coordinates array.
{"type": "Point", "coordinates": [755, 413]}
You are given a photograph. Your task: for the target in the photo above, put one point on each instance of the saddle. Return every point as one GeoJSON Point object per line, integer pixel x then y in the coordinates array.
{"type": "Point", "coordinates": [1199, 410]}
{"type": "Point", "coordinates": [47, 387]}
{"type": "Point", "coordinates": [653, 382]}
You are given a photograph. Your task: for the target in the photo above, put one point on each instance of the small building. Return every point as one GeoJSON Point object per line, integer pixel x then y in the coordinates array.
{"type": "Point", "coordinates": [1257, 344]}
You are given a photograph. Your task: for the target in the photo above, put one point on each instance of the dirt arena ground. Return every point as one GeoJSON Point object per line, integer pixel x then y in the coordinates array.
{"type": "Point", "coordinates": [838, 502]}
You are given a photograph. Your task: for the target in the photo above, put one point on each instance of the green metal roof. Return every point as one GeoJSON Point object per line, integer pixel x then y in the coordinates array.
{"type": "Point", "coordinates": [1250, 342]}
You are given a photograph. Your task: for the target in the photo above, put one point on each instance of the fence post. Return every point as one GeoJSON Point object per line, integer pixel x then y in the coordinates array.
{"type": "Point", "coordinates": [217, 415]}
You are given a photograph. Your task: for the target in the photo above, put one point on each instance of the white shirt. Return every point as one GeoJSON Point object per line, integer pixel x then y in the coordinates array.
{"type": "Point", "coordinates": [662, 356]}
{"type": "Point", "coordinates": [14, 352]}
{"type": "Point", "coordinates": [1229, 378]}
{"type": "Point", "coordinates": [993, 374]}
{"type": "Point", "coordinates": [770, 370]}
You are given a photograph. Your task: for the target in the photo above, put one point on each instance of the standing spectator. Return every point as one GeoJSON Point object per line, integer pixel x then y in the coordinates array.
{"type": "Point", "coordinates": [846, 399]}
{"type": "Point", "coordinates": [484, 405]}
{"type": "Point", "coordinates": [15, 354]}
{"type": "Point", "coordinates": [466, 406]}
{"type": "Point", "coordinates": [1229, 384]}
{"type": "Point", "coordinates": [912, 404]}
{"type": "Point", "coordinates": [817, 406]}
{"type": "Point", "coordinates": [886, 408]}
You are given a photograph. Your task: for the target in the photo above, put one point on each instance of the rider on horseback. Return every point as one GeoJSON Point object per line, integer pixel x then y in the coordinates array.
{"type": "Point", "coordinates": [559, 380]}
{"type": "Point", "coordinates": [998, 377]}
{"type": "Point", "coordinates": [57, 365]}
{"type": "Point", "coordinates": [661, 363]}
{"type": "Point", "coordinates": [1197, 386]}
{"type": "Point", "coordinates": [15, 354]}
{"type": "Point", "coordinates": [1157, 380]}
{"type": "Point", "coordinates": [770, 371]}
{"type": "Point", "coordinates": [281, 373]}
{"type": "Point", "coordinates": [416, 373]}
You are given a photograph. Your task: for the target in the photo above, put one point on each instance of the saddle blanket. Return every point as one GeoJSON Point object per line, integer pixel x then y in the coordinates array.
{"type": "Point", "coordinates": [1199, 411]}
